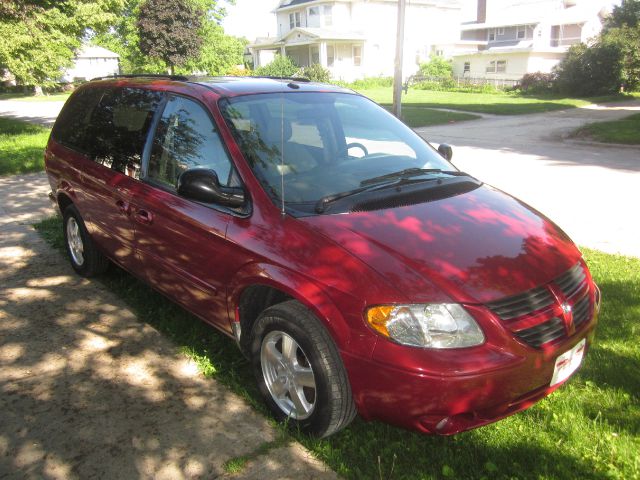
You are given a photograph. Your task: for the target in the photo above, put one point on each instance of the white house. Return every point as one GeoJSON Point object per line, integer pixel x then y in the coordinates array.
{"type": "Point", "coordinates": [91, 62]}
{"type": "Point", "coordinates": [357, 38]}
{"type": "Point", "coordinates": [514, 37]}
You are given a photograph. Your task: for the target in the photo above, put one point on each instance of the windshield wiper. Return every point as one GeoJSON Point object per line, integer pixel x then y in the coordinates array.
{"type": "Point", "coordinates": [410, 172]}
{"type": "Point", "coordinates": [380, 184]}
{"type": "Point", "coordinates": [322, 204]}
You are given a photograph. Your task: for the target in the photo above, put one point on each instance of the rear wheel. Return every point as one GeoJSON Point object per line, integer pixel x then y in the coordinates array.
{"type": "Point", "coordinates": [85, 258]}
{"type": "Point", "coordinates": [299, 370]}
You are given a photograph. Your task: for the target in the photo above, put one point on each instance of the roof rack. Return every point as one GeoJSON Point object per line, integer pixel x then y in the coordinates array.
{"type": "Point", "coordinates": [180, 78]}
{"type": "Point", "coordinates": [294, 79]}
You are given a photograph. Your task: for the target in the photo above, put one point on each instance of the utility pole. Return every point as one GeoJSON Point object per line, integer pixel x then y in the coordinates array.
{"type": "Point", "coordinates": [397, 74]}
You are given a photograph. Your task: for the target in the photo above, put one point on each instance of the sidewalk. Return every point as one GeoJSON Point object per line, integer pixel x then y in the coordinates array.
{"type": "Point", "coordinates": [87, 391]}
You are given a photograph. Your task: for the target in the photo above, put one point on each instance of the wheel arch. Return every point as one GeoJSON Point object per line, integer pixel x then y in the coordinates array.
{"type": "Point", "coordinates": [258, 286]}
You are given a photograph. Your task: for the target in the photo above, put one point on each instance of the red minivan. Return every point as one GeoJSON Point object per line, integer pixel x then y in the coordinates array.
{"type": "Point", "coordinates": [355, 266]}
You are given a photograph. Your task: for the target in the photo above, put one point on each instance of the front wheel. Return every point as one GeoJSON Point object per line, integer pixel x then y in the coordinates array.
{"type": "Point", "coordinates": [299, 370]}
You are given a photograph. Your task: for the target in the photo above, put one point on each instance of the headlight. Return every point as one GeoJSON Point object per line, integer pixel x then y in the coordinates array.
{"type": "Point", "coordinates": [445, 325]}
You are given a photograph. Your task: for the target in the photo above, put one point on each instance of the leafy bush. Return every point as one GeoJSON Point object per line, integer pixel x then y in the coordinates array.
{"type": "Point", "coordinates": [537, 82]}
{"type": "Point", "coordinates": [281, 66]}
{"type": "Point", "coordinates": [366, 83]}
{"type": "Point", "coordinates": [437, 66]}
{"type": "Point", "coordinates": [316, 73]}
{"type": "Point", "coordinates": [239, 72]}
{"type": "Point", "coordinates": [589, 71]}
{"type": "Point", "coordinates": [451, 85]}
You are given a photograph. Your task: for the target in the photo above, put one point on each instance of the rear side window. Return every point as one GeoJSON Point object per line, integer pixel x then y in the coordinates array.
{"type": "Point", "coordinates": [186, 138]}
{"type": "Point", "coordinates": [119, 128]}
{"type": "Point", "coordinates": [71, 126]}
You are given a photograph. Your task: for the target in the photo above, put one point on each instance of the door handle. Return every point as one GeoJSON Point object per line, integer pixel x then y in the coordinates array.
{"type": "Point", "coordinates": [143, 217]}
{"type": "Point", "coordinates": [123, 207]}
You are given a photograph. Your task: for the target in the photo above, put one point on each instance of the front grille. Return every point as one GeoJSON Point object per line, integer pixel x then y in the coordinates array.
{"type": "Point", "coordinates": [581, 311]}
{"type": "Point", "coordinates": [535, 316]}
{"type": "Point", "coordinates": [571, 282]}
{"type": "Point", "coordinates": [523, 304]}
{"type": "Point", "coordinates": [543, 332]}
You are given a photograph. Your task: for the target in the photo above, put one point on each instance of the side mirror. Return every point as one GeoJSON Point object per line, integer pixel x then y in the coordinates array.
{"type": "Point", "coordinates": [446, 151]}
{"type": "Point", "coordinates": [202, 185]}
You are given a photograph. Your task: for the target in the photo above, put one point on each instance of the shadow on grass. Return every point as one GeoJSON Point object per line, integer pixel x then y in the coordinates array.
{"type": "Point", "coordinates": [554, 439]}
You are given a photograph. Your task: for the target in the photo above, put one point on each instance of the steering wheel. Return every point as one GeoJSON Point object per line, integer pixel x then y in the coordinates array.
{"type": "Point", "coordinates": [358, 145]}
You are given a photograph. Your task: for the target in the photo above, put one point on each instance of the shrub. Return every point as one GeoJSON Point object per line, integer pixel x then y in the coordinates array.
{"type": "Point", "coordinates": [366, 83]}
{"type": "Point", "coordinates": [588, 71]}
{"type": "Point", "coordinates": [436, 67]}
{"type": "Point", "coordinates": [537, 82]}
{"type": "Point", "coordinates": [316, 73]}
{"type": "Point", "coordinates": [281, 66]}
{"type": "Point", "coordinates": [239, 72]}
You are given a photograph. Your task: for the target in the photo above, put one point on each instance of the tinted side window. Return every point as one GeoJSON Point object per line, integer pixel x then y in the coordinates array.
{"type": "Point", "coordinates": [71, 126]}
{"type": "Point", "coordinates": [119, 128]}
{"type": "Point", "coordinates": [186, 138]}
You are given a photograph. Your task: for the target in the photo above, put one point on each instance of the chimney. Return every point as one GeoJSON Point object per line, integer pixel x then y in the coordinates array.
{"type": "Point", "coordinates": [482, 11]}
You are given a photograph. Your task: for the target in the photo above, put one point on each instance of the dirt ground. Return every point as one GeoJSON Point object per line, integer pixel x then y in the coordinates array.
{"type": "Point", "coordinates": [88, 391]}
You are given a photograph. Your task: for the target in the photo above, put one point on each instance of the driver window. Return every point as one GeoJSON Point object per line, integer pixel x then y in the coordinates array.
{"type": "Point", "coordinates": [186, 138]}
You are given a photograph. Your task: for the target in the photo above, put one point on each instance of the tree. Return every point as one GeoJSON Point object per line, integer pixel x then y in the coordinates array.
{"type": "Point", "coordinates": [219, 52]}
{"type": "Point", "coordinates": [627, 14]}
{"type": "Point", "coordinates": [39, 38]}
{"type": "Point", "coordinates": [610, 62]}
{"type": "Point", "coordinates": [622, 29]}
{"type": "Point", "coordinates": [169, 31]}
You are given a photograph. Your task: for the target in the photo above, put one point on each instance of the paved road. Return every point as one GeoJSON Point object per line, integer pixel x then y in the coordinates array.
{"type": "Point", "coordinates": [87, 391]}
{"type": "Point", "coordinates": [591, 191]}
{"type": "Point", "coordinates": [43, 112]}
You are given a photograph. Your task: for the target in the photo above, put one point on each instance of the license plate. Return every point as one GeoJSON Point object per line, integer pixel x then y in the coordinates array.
{"type": "Point", "coordinates": [567, 363]}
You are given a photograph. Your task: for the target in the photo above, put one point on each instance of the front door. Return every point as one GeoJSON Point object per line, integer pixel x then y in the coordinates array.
{"type": "Point", "coordinates": [180, 243]}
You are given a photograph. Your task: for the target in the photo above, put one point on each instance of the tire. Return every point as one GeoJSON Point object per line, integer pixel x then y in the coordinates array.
{"type": "Point", "coordinates": [85, 258]}
{"type": "Point", "coordinates": [299, 370]}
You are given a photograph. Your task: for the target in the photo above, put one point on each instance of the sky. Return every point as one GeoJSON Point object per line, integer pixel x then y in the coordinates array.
{"type": "Point", "coordinates": [253, 18]}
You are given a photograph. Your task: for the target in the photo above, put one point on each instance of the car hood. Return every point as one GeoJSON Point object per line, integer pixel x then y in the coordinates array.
{"type": "Point", "coordinates": [475, 247]}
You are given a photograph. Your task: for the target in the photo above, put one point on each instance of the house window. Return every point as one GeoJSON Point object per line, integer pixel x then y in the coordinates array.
{"type": "Point", "coordinates": [314, 11]}
{"type": "Point", "coordinates": [331, 55]}
{"type": "Point", "coordinates": [497, 66]}
{"type": "Point", "coordinates": [357, 56]}
{"type": "Point", "coordinates": [328, 15]}
{"type": "Point", "coordinates": [492, 35]}
{"type": "Point", "coordinates": [522, 32]}
{"type": "Point", "coordinates": [501, 31]}
{"type": "Point", "coordinates": [467, 67]}
{"type": "Point", "coordinates": [294, 20]}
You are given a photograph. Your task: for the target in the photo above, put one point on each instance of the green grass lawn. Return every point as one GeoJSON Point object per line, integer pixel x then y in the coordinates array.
{"type": "Point", "coordinates": [625, 130]}
{"type": "Point", "coordinates": [24, 97]}
{"type": "Point", "coordinates": [494, 103]}
{"type": "Point", "coordinates": [588, 429]}
{"type": "Point", "coordinates": [21, 146]}
{"type": "Point", "coordinates": [423, 117]}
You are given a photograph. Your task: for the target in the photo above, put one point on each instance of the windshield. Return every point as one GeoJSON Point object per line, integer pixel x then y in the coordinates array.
{"type": "Point", "coordinates": [321, 144]}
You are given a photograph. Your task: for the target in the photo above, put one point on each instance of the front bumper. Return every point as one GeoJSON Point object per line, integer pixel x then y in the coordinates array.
{"type": "Point", "coordinates": [447, 392]}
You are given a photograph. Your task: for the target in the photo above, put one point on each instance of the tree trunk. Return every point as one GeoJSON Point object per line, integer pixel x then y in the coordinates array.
{"type": "Point", "coordinates": [171, 69]}
{"type": "Point", "coordinates": [37, 91]}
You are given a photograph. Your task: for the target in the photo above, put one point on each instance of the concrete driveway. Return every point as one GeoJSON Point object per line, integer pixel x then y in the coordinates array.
{"type": "Point", "coordinates": [592, 191]}
{"type": "Point", "coordinates": [87, 391]}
